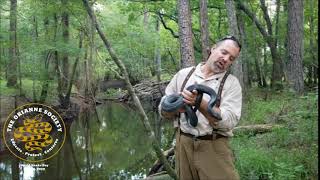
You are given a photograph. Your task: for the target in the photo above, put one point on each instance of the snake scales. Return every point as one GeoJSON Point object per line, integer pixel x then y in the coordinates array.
{"type": "Point", "coordinates": [174, 102]}
{"type": "Point", "coordinates": [35, 133]}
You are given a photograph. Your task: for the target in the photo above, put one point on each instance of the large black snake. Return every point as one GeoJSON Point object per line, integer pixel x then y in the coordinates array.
{"type": "Point", "coordinates": [174, 102]}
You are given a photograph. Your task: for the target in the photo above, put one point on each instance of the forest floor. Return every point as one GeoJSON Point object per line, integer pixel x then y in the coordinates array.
{"type": "Point", "coordinates": [288, 152]}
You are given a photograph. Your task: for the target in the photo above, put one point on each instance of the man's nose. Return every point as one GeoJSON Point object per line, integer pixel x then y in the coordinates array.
{"type": "Point", "coordinates": [224, 59]}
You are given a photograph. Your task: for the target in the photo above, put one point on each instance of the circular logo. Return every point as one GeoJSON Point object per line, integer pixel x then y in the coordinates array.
{"type": "Point", "coordinates": [34, 132]}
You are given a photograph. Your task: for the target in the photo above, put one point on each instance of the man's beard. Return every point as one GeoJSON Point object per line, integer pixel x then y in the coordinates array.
{"type": "Point", "coordinates": [217, 68]}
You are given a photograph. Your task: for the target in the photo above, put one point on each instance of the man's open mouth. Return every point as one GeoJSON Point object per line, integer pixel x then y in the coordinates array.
{"type": "Point", "coordinates": [220, 65]}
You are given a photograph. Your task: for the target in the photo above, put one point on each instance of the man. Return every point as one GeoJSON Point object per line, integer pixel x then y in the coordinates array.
{"type": "Point", "coordinates": [203, 152]}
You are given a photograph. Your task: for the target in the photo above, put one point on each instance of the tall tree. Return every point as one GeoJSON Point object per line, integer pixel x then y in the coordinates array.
{"type": "Point", "coordinates": [295, 45]}
{"type": "Point", "coordinates": [244, 52]}
{"type": "Point", "coordinates": [157, 53]}
{"type": "Point", "coordinates": [313, 49]}
{"type": "Point", "coordinates": [65, 36]}
{"type": "Point", "coordinates": [47, 57]}
{"type": "Point", "coordinates": [12, 66]}
{"type": "Point", "coordinates": [90, 59]}
{"type": "Point", "coordinates": [185, 34]}
{"type": "Point", "coordinates": [256, 56]}
{"type": "Point", "coordinates": [233, 30]}
{"type": "Point", "coordinates": [204, 28]}
{"type": "Point", "coordinates": [123, 69]}
{"type": "Point", "coordinates": [56, 58]}
{"type": "Point", "coordinates": [277, 72]}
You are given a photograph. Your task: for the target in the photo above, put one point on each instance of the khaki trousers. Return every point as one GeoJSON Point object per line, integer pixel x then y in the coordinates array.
{"type": "Point", "coordinates": [204, 159]}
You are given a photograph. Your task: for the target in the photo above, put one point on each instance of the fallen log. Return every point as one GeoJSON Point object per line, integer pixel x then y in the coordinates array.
{"type": "Point", "coordinates": [159, 176]}
{"type": "Point", "coordinates": [255, 129]}
{"type": "Point", "coordinates": [149, 91]}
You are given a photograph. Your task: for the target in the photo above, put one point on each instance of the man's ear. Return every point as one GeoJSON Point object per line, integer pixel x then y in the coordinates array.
{"type": "Point", "coordinates": [212, 48]}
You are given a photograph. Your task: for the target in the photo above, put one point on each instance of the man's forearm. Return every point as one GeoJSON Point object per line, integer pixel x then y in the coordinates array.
{"type": "Point", "coordinates": [204, 110]}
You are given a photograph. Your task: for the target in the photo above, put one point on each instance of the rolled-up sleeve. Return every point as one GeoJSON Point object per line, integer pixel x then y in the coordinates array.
{"type": "Point", "coordinates": [231, 104]}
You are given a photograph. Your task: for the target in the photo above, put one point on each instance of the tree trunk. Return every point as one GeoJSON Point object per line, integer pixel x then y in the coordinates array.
{"type": "Point", "coordinates": [315, 75]}
{"type": "Point", "coordinates": [57, 62]}
{"type": "Point", "coordinates": [185, 34]}
{"type": "Point", "coordinates": [12, 66]}
{"type": "Point", "coordinates": [295, 45]}
{"type": "Point", "coordinates": [309, 76]}
{"type": "Point", "coordinates": [244, 52]}
{"type": "Point", "coordinates": [204, 28]}
{"type": "Point", "coordinates": [277, 73]}
{"type": "Point", "coordinates": [233, 30]}
{"type": "Point", "coordinates": [256, 57]}
{"type": "Point", "coordinates": [124, 72]}
{"type": "Point", "coordinates": [65, 36]}
{"type": "Point", "coordinates": [277, 37]}
{"type": "Point", "coordinates": [131, 91]}
{"type": "Point", "coordinates": [313, 47]}
{"type": "Point", "coordinates": [67, 97]}
{"type": "Point", "coordinates": [265, 67]}
{"type": "Point", "coordinates": [90, 59]}
{"type": "Point", "coordinates": [173, 60]}
{"type": "Point", "coordinates": [157, 53]}
{"type": "Point", "coordinates": [47, 57]}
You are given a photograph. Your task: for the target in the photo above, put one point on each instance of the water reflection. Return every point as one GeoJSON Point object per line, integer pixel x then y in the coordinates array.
{"type": "Point", "coordinates": [110, 143]}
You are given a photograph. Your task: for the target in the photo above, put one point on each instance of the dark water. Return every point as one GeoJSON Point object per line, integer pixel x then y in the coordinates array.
{"type": "Point", "coordinates": [109, 144]}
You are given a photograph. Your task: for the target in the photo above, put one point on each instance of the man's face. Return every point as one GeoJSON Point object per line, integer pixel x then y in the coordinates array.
{"type": "Point", "coordinates": [222, 56]}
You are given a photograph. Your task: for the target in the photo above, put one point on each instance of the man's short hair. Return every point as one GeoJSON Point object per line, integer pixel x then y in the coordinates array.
{"type": "Point", "coordinates": [234, 39]}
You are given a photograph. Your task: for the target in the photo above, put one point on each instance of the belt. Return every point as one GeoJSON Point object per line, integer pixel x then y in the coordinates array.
{"type": "Point", "coordinates": [205, 137]}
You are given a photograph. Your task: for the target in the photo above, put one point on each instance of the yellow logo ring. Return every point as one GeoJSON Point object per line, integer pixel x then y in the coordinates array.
{"type": "Point", "coordinates": [34, 132]}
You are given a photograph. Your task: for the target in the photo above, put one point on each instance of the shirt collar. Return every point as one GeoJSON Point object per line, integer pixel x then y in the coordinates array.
{"type": "Point", "coordinates": [201, 75]}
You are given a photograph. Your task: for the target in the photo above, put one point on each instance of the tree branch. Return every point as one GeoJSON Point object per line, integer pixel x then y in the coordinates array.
{"type": "Point", "coordinates": [209, 7]}
{"type": "Point", "coordinates": [266, 16]}
{"type": "Point", "coordinates": [131, 91]}
{"type": "Point", "coordinates": [166, 27]}
{"type": "Point", "coordinates": [253, 17]}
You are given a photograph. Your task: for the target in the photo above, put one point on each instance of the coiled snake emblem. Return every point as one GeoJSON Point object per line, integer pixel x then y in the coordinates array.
{"type": "Point", "coordinates": [35, 133]}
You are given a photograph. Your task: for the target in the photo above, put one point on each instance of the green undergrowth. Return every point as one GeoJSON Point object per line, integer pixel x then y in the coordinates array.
{"type": "Point", "coordinates": [289, 151]}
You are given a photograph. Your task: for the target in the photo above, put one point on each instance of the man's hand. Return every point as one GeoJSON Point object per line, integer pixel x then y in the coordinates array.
{"type": "Point", "coordinates": [214, 122]}
{"type": "Point", "coordinates": [189, 97]}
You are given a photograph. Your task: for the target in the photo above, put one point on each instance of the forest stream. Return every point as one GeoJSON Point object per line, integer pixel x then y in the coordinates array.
{"type": "Point", "coordinates": [109, 142]}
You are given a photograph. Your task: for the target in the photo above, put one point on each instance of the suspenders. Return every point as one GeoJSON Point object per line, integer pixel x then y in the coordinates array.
{"type": "Point", "coordinates": [220, 86]}
{"type": "Point", "coordinates": [187, 78]}
{"type": "Point", "coordinates": [218, 95]}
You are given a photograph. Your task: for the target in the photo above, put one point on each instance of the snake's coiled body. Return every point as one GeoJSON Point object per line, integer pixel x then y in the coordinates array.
{"type": "Point", "coordinates": [34, 133]}
{"type": "Point", "coordinates": [174, 102]}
